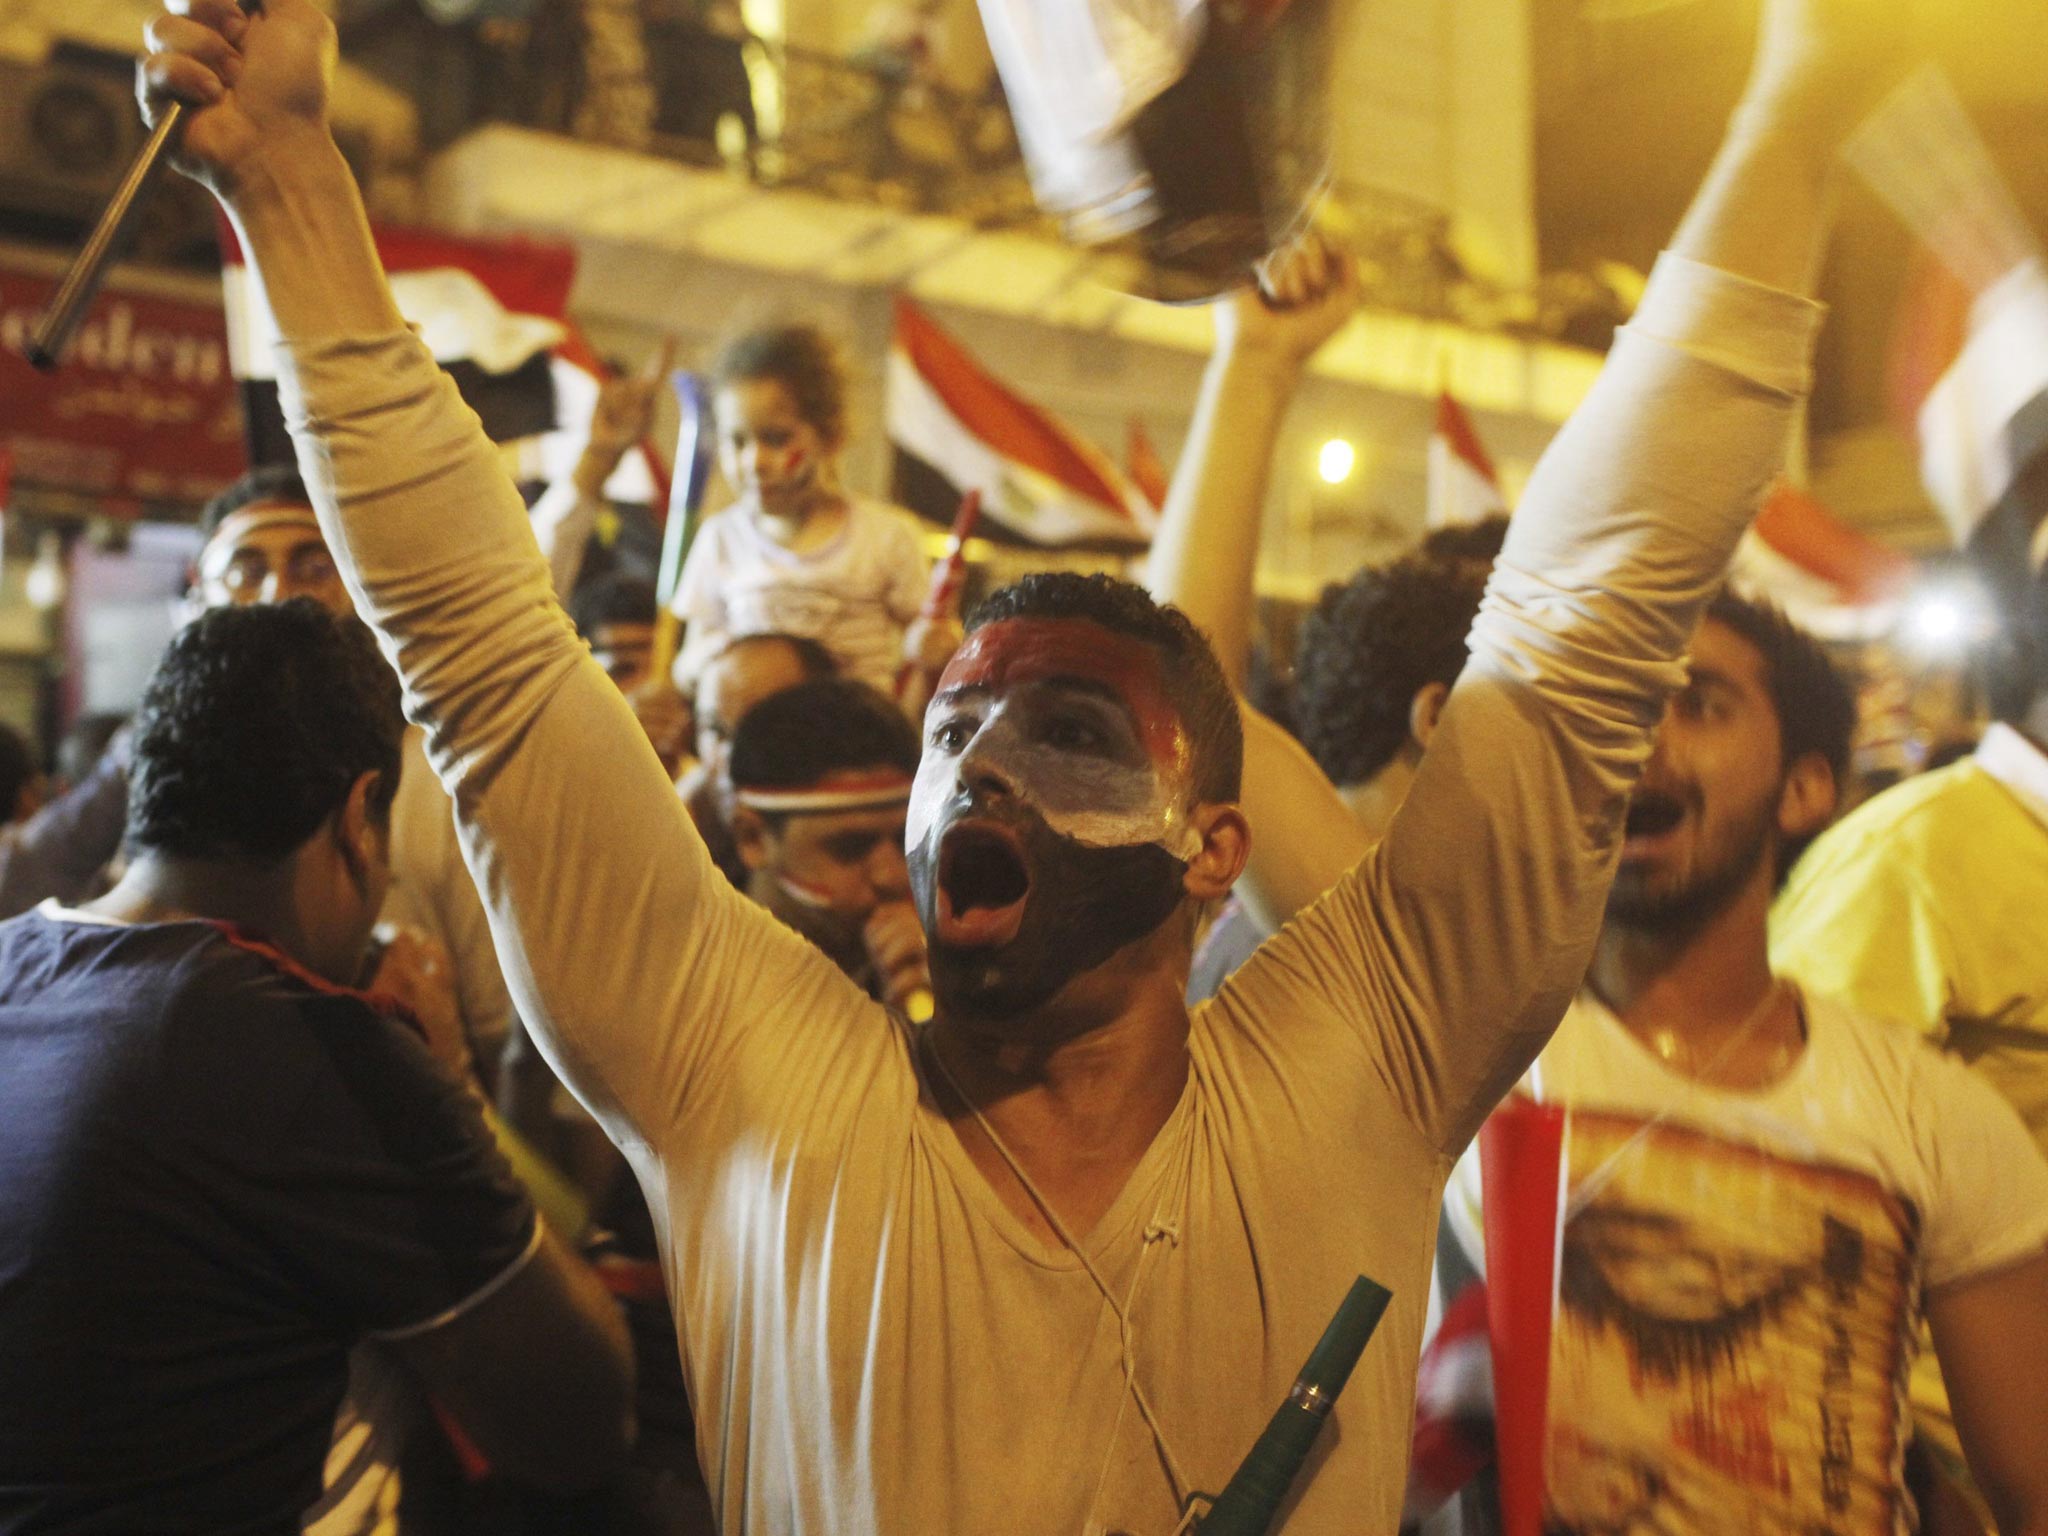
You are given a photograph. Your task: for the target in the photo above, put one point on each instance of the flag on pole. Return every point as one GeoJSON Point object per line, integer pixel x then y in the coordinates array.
{"type": "Point", "coordinates": [1985, 424]}
{"type": "Point", "coordinates": [1143, 464]}
{"type": "Point", "coordinates": [1831, 578]}
{"type": "Point", "coordinates": [956, 428]}
{"type": "Point", "coordinates": [491, 311]}
{"type": "Point", "coordinates": [1977, 390]}
{"type": "Point", "coordinates": [1463, 486]}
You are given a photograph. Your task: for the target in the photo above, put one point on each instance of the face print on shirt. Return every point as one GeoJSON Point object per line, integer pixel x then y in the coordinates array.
{"type": "Point", "coordinates": [1049, 823]}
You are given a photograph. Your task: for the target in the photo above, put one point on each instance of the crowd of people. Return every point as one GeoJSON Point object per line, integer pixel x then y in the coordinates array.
{"type": "Point", "coordinates": [861, 1072]}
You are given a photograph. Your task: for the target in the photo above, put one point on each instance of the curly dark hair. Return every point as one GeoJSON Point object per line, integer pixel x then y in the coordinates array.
{"type": "Point", "coordinates": [804, 360]}
{"type": "Point", "coordinates": [269, 482]}
{"type": "Point", "coordinates": [1195, 684]}
{"type": "Point", "coordinates": [1369, 646]}
{"type": "Point", "coordinates": [1815, 704]}
{"type": "Point", "coordinates": [828, 725]}
{"type": "Point", "coordinates": [254, 727]}
{"type": "Point", "coordinates": [1480, 541]}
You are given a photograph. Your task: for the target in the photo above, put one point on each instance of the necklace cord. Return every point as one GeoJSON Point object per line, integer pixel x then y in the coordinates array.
{"type": "Point", "coordinates": [1127, 1337]}
{"type": "Point", "coordinates": [1591, 1186]}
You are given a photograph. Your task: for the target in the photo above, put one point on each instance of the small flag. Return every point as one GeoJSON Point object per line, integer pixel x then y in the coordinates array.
{"type": "Point", "coordinates": [1463, 487]}
{"type": "Point", "coordinates": [1830, 578]}
{"type": "Point", "coordinates": [491, 311]}
{"type": "Point", "coordinates": [956, 429]}
{"type": "Point", "coordinates": [1453, 1407]}
{"type": "Point", "coordinates": [1986, 423]}
{"type": "Point", "coordinates": [1971, 363]}
{"type": "Point", "coordinates": [1143, 464]}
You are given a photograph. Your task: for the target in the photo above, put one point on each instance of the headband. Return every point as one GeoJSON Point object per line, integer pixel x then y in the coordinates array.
{"type": "Point", "coordinates": [841, 790]}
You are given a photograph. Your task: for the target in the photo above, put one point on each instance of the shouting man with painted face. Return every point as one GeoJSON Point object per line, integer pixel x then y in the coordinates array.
{"type": "Point", "coordinates": [1049, 1262]}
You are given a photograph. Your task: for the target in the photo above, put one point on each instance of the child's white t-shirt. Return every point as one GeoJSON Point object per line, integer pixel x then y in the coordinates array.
{"type": "Point", "coordinates": [855, 595]}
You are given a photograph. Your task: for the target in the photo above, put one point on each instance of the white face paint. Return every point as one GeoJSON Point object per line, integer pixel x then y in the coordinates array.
{"type": "Point", "coordinates": [1066, 749]}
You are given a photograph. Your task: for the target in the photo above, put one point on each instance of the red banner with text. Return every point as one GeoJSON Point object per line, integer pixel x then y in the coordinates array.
{"type": "Point", "coordinates": [144, 409]}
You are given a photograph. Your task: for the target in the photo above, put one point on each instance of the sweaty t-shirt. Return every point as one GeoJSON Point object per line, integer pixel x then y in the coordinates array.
{"type": "Point", "coordinates": [216, 1175]}
{"type": "Point", "coordinates": [1743, 1272]}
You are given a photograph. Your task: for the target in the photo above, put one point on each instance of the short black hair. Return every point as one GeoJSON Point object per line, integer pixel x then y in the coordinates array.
{"type": "Point", "coordinates": [18, 768]}
{"type": "Point", "coordinates": [253, 729]}
{"type": "Point", "coordinates": [268, 482]}
{"type": "Point", "coordinates": [1815, 704]}
{"type": "Point", "coordinates": [614, 598]}
{"type": "Point", "coordinates": [1368, 647]}
{"type": "Point", "coordinates": [1195, 683]}
{"type": "Point", "coordinates": [794, 738]}
{"type": "Point", "coordinates": [813, 659]}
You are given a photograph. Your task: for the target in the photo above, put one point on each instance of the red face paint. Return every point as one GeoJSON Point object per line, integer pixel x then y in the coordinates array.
{"type": "Point", "coordinates": [1012, 652]}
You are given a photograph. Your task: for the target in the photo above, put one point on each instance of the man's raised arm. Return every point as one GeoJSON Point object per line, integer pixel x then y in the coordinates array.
{"type": "Point", "coordinates": [1205, 558]}
{"type": "Point", "coordinates": [622, 946]}
{"type": "Point", "coordinates": [1469, 928]}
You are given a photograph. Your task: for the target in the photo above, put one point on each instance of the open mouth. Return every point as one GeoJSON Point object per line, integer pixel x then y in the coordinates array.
{"type": "Point", "coordinates": [1651, 814]}
{"type": "Point", "coordinates": [983, 882]}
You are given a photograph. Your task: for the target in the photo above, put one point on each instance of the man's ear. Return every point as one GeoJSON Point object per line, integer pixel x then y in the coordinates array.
{"type": "Point", "coordinates": [1810, 797]}
{"type": "Point", "coordinates": [1424, 710]}
{"type": "Point", "coordinates": [361, 838]}
{"type": "Point", "coordinates": [1226, 846]}
{"type": "Point", "coordinates": [753, 836]}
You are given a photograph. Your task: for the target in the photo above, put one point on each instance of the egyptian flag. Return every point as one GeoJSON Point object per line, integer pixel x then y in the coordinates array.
{"type": "Point", "coordinates": [1970, 358]}
{"type": "Point", "coordinates": [956, 429]}
{"type": "Point", "coordinates": [1983, 428]}
{"type": "Point", "coordinates": [1454, 1429]}
{"type": "Point", "coordinates": [1146, 469]}
{"type": "Point", "coordinates": [1463, 486]}
{"type": "Point", "coordinates": [1832, 579]}
{"type": "Point", "coordinates": [491, 310]}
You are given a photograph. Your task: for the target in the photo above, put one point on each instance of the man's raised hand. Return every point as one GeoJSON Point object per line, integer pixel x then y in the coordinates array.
{"type": "Point", "coordinates": [1304, 294]}
{"type": "Point", "coordinates": [254, 86]}
{"type": "Point", "coordinates": [1823, 65]}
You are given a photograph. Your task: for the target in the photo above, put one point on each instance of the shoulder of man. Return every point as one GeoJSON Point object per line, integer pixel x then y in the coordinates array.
{"type": "Point", "coordinates": [1919, 811]}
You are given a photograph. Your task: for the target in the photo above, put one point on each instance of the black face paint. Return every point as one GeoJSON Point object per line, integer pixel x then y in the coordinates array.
{"type": "Point", "coordinates": [1084, 904]}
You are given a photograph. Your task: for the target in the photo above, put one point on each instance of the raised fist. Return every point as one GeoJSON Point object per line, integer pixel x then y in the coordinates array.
{"type": "Point", "coordinates": [254, 85]}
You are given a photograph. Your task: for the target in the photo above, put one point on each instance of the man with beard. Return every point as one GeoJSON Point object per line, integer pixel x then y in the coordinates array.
{"type": "Point", "coordinates": [1050, 1261]}
{"type": "Point", "coordinates": [1766, 1190]}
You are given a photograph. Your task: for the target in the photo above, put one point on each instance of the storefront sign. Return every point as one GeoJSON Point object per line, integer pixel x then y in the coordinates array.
{"type": "Point", "coordinates": [144, 409]}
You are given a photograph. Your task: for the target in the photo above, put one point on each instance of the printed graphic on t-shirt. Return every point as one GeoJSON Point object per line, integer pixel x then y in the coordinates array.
{"type": "Point", "coordinates": [1733, 1329]}
{"type": "Point", "coordinates": [787, 608]}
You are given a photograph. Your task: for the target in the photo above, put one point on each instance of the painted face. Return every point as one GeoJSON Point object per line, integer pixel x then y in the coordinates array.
{"type": "Point", "coordinates": [826, 874]}
{"type": "Point", "coordinates": [1706, 812]}
{"type": "Point", "coordinates": [270, 552]}
{"type": "Point", "coordinates": [767, 451]}
{"type": "Point", "coordinates": [1049, 822]}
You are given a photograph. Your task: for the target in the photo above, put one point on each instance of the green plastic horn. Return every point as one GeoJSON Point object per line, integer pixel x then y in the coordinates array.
{"type": "Point", "coordinates": [1250, 1501]}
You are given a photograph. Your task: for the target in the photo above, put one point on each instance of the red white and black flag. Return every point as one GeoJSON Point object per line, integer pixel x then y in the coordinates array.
{"type": "Point", "coordinates": [1970, 364]}
{"type": "Point", "coordinates": [491, 311]}
{"type": "Point", "coordinates": [956, 429]}
{"type": "Point", "coordinates": [1464, 488]}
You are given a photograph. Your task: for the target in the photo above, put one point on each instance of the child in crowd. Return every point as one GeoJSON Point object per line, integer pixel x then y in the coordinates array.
{"type": "Point", "coordinates": [795, 554]}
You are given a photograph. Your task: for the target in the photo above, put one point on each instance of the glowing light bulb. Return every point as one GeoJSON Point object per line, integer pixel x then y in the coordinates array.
{"type": "Point", "coordinates": [1336, 461]}
{"type": "Point", "coordinates": [46, 581]}
{"type": "Point", "coordinates": [1945, 619]}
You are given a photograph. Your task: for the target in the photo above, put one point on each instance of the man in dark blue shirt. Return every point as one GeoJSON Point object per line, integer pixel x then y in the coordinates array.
{"type": "Point", "coordinates": [221, 1168]}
